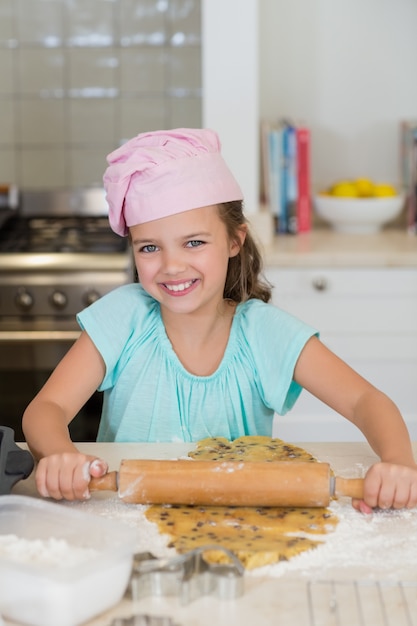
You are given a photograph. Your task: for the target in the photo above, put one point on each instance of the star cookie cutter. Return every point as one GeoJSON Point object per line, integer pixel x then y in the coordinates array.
{"type": "Point", "coordinates": [187, 576]}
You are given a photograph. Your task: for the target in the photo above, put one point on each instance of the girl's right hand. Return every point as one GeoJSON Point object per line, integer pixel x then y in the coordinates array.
{"type": "Point", "coordinates": [67, 475]}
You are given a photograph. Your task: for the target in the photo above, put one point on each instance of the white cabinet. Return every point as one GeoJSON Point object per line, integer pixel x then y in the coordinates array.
{"type": "Point", "coordinates": [368, 316]}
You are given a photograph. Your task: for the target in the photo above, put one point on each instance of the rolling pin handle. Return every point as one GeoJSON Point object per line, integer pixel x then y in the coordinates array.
{"type": "Point", "coordinates": [108, 482]}
{"type": "Point", "coordinates": [350, 487]}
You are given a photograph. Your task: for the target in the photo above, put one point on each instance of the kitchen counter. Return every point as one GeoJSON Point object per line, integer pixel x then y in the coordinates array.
{"type": "Point", "coordinates": [326, 248]}
{"type": "Point", "coordinates": [367, 565]}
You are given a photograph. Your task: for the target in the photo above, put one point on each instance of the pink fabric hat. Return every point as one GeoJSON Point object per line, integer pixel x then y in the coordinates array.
{"type": "Point", "coordinates": [161, 173]}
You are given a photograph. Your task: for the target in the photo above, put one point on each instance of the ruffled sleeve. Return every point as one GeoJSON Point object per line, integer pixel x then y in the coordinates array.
{"type": "Point", "coordinates": [276, 339]}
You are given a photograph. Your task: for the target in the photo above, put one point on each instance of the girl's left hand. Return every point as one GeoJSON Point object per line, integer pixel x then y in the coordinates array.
{"type": "Point", "coordinates": [388, 486]}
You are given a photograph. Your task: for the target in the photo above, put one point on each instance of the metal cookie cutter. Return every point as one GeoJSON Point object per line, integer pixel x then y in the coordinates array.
{"type": "Point", "coordinates": [187, 576]}
{"type": "Point", "coordinates": [143, 620]}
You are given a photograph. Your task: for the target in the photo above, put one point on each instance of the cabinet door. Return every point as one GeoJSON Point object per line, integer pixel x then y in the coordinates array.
{"type": "Point", "coordinates": [366, 316]}
{"type": "Point", "coordinates": [349, 300]}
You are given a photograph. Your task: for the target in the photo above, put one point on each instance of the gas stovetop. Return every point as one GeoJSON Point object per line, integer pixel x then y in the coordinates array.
{"type": "Point", "coordinates": [57, 255]}
{"type": "Point", "coordinates": [75, 234]}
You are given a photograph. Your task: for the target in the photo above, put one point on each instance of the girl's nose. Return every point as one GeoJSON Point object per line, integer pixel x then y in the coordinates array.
{"type": "Point", "coordinates": [173, 262]}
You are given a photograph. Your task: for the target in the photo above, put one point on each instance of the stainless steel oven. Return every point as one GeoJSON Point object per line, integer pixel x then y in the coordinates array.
{"type": "Point", "coordinates": [57, 255]}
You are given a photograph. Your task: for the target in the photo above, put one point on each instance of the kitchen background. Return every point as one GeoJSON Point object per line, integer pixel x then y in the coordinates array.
{"type": "Point", "coordinates": [78, 77]}
{"type": "Point", "coordinates": [346, 69]}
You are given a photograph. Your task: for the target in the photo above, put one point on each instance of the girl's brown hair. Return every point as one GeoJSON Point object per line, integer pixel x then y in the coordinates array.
{"type": "Point", "coordinates": [244, 275]}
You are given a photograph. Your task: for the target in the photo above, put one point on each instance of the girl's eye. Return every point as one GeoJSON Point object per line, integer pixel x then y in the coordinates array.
{"type": "Point", "coordinates": [194, 243]}
{"type": "Point", "coordinates": [148, 248]}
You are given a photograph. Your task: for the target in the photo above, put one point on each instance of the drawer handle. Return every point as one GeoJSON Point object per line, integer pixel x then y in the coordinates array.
{"type": "Point", "coordinates": [320, 283]}
{"type": "Point", "coordinates": [32, 336]}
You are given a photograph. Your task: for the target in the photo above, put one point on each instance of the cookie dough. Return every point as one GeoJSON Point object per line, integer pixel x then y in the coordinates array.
{"type": "Point", "coordinates": [258, 536]}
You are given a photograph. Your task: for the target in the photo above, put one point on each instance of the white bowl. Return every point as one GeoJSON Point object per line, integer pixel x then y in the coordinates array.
{"type": "Point", "coordinates": [358, 215]}
{"type": "Point", "coordinates": [42, 592]}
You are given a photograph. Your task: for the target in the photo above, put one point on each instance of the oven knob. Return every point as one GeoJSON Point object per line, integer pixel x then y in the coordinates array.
{"type": "Point", "coordinates": [59, 300]}
{"type": "Point", "coordinates": [24, 300]}
{"type": "Point", "coordinates": [91, 296]}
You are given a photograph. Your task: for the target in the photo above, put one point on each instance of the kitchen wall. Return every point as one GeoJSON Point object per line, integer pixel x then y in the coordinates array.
{"type": "Point", "coordinates": [230, 87]}
{"type": "Point", "coordinates": [80, 76]}
{"type": "Point", "coordinates": [348, 70]}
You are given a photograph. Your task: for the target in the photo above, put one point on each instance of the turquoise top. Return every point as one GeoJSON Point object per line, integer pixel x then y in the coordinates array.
{"type": "Point", "coordinates": [149, 396]}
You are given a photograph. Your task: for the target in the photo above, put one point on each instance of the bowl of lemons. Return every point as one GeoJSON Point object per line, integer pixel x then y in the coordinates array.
{"type": "Point", "coordinates": [358, 206]}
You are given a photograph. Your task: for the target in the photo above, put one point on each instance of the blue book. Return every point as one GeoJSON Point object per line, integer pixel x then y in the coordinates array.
{"type": "Point", "coordinates": [274, 171]}
{"type": "Point", "coordinates": [290, 187]}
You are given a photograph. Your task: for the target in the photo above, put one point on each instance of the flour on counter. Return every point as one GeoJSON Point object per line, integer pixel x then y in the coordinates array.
{"type": "Point", "coordinates": [380, 545]}
{"type": "Point", "coordinates": [148, 539]}
{"type": "Point", "coordinates": [55, 552]}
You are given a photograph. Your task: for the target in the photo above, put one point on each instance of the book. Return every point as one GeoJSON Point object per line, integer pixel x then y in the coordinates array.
{"type": "Point", "coordinates": [274, 173]}
{"type": "Point", "coordinates": [408, 170]}
{"type": "Point", "coordinates": [264, 163]}
{"type": "Point", "coordinates": [304, 209]}
{"type": "Point", "coordinates": [285, 160]}
{"type": "Point", "coordinates": [289, 184]}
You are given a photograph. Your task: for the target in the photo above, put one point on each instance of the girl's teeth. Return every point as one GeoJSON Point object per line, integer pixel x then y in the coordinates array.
{"type": "Point", "coordinates": [180, 287]}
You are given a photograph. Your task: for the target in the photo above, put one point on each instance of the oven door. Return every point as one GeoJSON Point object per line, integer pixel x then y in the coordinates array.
{"type": "Point", "coordinates": [29, 351]}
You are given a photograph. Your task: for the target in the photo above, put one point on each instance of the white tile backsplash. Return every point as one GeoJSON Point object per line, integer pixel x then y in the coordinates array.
{"type": "Point", "coordinates": [6, 72]}
{"type": "Point", "coordinates": [143, 70]}
{"type": "Point", "coordinates": [91, 121]}
{"type": "Point", "coordinates": [92, 69]}
{"type": "Point", "coordinates": [90, 23]}
{"type": "Point", "coordinates": [78, 77]}
{"type": "Point", "coordinates": [39, 21]}
{"type": "Point", "coordinates": [7, 32]}
{"type": "Point", "coordinates": [8, 166]}
{"type": "Point", "coordinates": [43, 168]}
{"type": "Point", "coordinates": [40, 71]}
{"type": "Point", "coordinates": [143, 23]}
{"type": "Point", "coordinates": [7, 123]}
{"type": "Point", "coordinates": [41, 122]}
{"type": "Point", "coordinates": [87, 165]}
{"type": "Point", "coordinates": [184, 17]}
{"type": "Point", "coordinates": [184, 112]}
{"type": "Point", "coordinates": [138, 115]}
{"type": "Point", "coordinates": [184, 69]}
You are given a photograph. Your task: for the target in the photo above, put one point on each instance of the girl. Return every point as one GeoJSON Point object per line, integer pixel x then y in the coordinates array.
{"type": "Point", "coordinates": [195, 349]}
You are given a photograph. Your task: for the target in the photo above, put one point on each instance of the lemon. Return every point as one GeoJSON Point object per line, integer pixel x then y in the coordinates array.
{"type": "Point", "coordinates": [365, 187]}
{"type": "Point", "coordinates": [344, 189]}
{"type": "Point", "coordinates": [384, 190]}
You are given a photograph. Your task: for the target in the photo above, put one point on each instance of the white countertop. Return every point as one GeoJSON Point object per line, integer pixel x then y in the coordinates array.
{"type": "Point", "coordinates": [326, 248]}
{"type": "Point", "coordinates": [286, 594]}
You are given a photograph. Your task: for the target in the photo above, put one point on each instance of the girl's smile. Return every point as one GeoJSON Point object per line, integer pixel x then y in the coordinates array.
{"type": "Point", "coordinates": [180, 288]}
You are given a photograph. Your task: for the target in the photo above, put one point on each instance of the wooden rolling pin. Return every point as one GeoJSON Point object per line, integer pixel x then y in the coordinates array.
{"type": "Point", "coordinates": [228, 483]}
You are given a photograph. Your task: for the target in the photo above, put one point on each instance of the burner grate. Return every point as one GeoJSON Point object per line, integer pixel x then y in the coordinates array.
{"type": "Point", "coordinates": [60, 234]}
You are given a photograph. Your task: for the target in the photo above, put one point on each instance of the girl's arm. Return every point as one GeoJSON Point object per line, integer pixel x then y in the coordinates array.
{"type": "Point", "coordinates": [392, 483]}
{"type": "Point", "coordinates": [63, 472]}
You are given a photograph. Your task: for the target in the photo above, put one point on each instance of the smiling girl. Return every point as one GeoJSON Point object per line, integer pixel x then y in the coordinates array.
{"type": "Point", "coordinates": [196, 349]}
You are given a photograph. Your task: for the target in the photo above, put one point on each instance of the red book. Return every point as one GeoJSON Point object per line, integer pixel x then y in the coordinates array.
{"type": "Point", "coordinates": [303, 172]}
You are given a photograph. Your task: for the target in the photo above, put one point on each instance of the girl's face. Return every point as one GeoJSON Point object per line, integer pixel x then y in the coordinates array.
{"type": "Point", "coordinates": [182, 259]}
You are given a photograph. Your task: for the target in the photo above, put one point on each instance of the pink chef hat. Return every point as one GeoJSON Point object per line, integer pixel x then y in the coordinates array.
{"type": "Point", "coordinates": [161, 173]}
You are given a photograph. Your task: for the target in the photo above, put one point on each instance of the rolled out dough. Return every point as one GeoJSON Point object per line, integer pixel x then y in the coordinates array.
{"type": "Point", "coordinates": [258, 536]}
